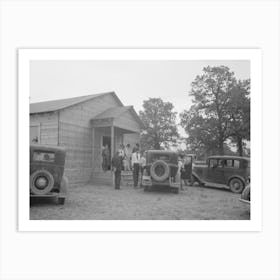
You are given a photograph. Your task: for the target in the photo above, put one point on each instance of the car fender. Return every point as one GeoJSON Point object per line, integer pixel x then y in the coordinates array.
{"type": "Point", "coordinates": [63, 187]}
{"type": "Point", "coordinates": [195, 175]}
{"type": "Point", "coordinates": [236, 176]}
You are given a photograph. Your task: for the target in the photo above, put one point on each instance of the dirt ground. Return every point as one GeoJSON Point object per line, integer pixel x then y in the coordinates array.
{"type": "Point", "coordinates": [105, 203]}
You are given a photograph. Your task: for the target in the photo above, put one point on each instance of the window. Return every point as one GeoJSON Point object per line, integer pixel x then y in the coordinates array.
{"type": "Point", "coordinates": [228, 163]}
{"type": "Point", "coordinates": [213, 163]}
{"type": "Point", "coordinates": [236, 163]}
{"type": "Point", "coordinates": [43, 156]}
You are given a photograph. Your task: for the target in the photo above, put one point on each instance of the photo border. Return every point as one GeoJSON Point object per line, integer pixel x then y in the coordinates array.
{"type": "Point", "coordinates": [27, 55]}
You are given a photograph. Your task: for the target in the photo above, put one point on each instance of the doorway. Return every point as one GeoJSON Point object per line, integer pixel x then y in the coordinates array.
{"type": "Point", "coordinates": [106, 141]}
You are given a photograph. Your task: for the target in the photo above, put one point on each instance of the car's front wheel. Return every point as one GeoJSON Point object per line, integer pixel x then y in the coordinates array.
{"type": "Point", "coordinates": [236, 185]}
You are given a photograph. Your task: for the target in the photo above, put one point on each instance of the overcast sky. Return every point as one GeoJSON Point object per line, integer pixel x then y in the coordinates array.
{"type": "Point", "coordinates": [132, 81]}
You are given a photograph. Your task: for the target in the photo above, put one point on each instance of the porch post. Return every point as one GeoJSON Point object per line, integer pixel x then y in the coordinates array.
{"type": "Point", "coordinates": [92, 152]}
{"type": "Point", "coordinates": [112, 151]}
{"type": "Point", "coordinates": [112, 141]}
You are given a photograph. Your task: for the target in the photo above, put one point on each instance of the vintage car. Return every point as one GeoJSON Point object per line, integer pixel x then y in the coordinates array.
{"type": "Point", "coordinates": [46, 172]}
{"type": "Point", "coordinates": [161, 171]}
{"type": "Point", "coordinates": [230, 172]}
{"type": "Point", "coordinates": [246, 195]}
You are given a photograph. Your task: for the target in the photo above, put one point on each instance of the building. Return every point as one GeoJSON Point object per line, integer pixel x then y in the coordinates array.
{"type": "Point", "coordinates": [83, 125]}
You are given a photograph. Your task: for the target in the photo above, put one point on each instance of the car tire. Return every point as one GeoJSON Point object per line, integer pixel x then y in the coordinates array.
{"type": "Point", "coordinates": [47, 178]}
{"type": "Point", "coordinates": [154, 175]}
{"type": "Point", "coordinates": [236, 185]}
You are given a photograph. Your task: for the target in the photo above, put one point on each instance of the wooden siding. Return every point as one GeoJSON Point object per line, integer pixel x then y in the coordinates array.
{"type": "Point", "coordinates": [48, 123]}
{"type": "Point", "coordinates": [75, 133]}
{"type": "Point", "coordinates": [127, 121]}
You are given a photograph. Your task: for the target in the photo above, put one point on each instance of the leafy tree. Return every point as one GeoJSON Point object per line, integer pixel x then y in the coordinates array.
{"type": "Point", "coordinates": [159, 119]}
{"type": "Point", "coordinates": [239, 114]}
{"type": "Point", "coordinates": [215, 115]}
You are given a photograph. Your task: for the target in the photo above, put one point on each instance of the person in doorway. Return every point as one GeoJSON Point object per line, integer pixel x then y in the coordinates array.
{"type": "Point", "coordinates": [135, 161]}
{"type": "Point", "coordinates": [122, 154]}
{"type": "Point", "coordinates": [127, 158]}
{"type": "Point", "coordinates": [105, 158]}
{"type": "Point", "coordinates": [117, 169]}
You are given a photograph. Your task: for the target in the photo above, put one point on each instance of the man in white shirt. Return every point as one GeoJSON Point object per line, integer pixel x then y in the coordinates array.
{"type": "Point", "coordinates": [135, 160]}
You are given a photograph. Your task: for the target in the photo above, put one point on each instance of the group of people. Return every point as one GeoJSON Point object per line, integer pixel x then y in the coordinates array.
{"type": "Point", "coordinates": [127, 160]}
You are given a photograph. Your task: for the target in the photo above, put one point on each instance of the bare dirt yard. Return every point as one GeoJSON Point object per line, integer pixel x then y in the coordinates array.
{"type": "Point", "coordinates": [105, 203]}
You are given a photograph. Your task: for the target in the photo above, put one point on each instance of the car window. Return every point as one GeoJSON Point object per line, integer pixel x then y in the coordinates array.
{"type": "Point", "coordinates": [228, 163]}
{"type": "Point", "coordinates": [236, 163]}
{"type": "Point", "coordinates": [43, 156]}
{"type": "Point", "coordinates": [213, 163]}
{"type": "Point", "coordinates": [246, 164]}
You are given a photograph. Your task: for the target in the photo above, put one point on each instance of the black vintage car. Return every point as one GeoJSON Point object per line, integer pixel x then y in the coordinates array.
{"type": "Point", "coordinates": [231, 172]}
{"type": "Point", "coordinates": [46, 172]}
{"type": "Point", "coordinates": [161, 171]}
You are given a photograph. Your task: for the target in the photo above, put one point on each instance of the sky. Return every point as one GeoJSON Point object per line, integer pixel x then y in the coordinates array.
{"type": "Point", "coordinates": [132, 80]}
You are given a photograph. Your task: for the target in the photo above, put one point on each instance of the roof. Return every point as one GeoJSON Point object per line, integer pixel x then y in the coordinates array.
{"type": "Point", "coordinates": [55, 105]}
{"type": "Point", "coordinates": [115, 112]}
{"type": "Point", "coordinates": [229, 157]}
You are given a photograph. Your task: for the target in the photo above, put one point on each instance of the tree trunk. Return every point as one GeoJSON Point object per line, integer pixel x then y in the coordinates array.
{"type": "Point", "coordinates": [240, 146]}
{"type": "Point", "coordinates": [221, 147]}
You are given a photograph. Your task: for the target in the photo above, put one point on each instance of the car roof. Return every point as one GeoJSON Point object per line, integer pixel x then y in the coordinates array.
{"type": "Point", "coordinates": [230, 157]}
{"type": "Point", "coordinates": [47, 148]}
{"type": "Point", "coordinates": [161, 152]}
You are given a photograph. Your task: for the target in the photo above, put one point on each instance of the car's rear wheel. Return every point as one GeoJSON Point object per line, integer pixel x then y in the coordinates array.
{"type": "Point", "coordinates": [236, 185]}
{"type": "Point", "coordinates": [159, 170]}
{"type": "Point", "coordinates": [41, 182]}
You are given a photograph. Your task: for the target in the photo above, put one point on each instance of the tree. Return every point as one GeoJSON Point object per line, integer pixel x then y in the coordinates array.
{"type": "Point", "coordinates": [210, 120]}
{"type": "Point", "coordinates": [239, 114]}
{"type": "Point", "coordinates": [159, 119]}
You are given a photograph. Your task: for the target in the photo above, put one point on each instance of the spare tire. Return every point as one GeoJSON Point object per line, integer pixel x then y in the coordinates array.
{"type": "Point", "coordinates": [41, 182]}
{"type": "Point", "coordinates": [159, 170]}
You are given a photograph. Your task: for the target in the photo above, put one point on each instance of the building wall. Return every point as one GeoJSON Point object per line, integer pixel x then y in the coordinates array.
{"type": "Point", "coordinates": [47, 127]}
{"type": "Point", "coordinates": [75, 133]}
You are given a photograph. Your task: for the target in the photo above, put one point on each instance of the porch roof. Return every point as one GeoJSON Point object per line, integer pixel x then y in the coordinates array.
{"type": "Point", "coordinates": [112, 116]}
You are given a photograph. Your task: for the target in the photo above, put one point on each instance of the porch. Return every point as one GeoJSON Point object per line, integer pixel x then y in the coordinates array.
{"type": "Point", "coordinates": [116, 126]}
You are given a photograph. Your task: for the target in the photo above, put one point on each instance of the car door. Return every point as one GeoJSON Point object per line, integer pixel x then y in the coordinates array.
{"type": "Point", "coordinates": [215, 172]}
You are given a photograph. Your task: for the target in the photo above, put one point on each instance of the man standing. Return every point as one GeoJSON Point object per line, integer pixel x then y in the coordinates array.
{"type": "Point", "coordinates": [135, 160]}
{"type": "Point", "coordinates": [117, 169]}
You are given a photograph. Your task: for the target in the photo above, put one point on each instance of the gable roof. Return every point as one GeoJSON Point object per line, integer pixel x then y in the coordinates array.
{"type": "Point", "coordinates": [55, 105]}
{"type": "Point", "coordinates": [115, 112]}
